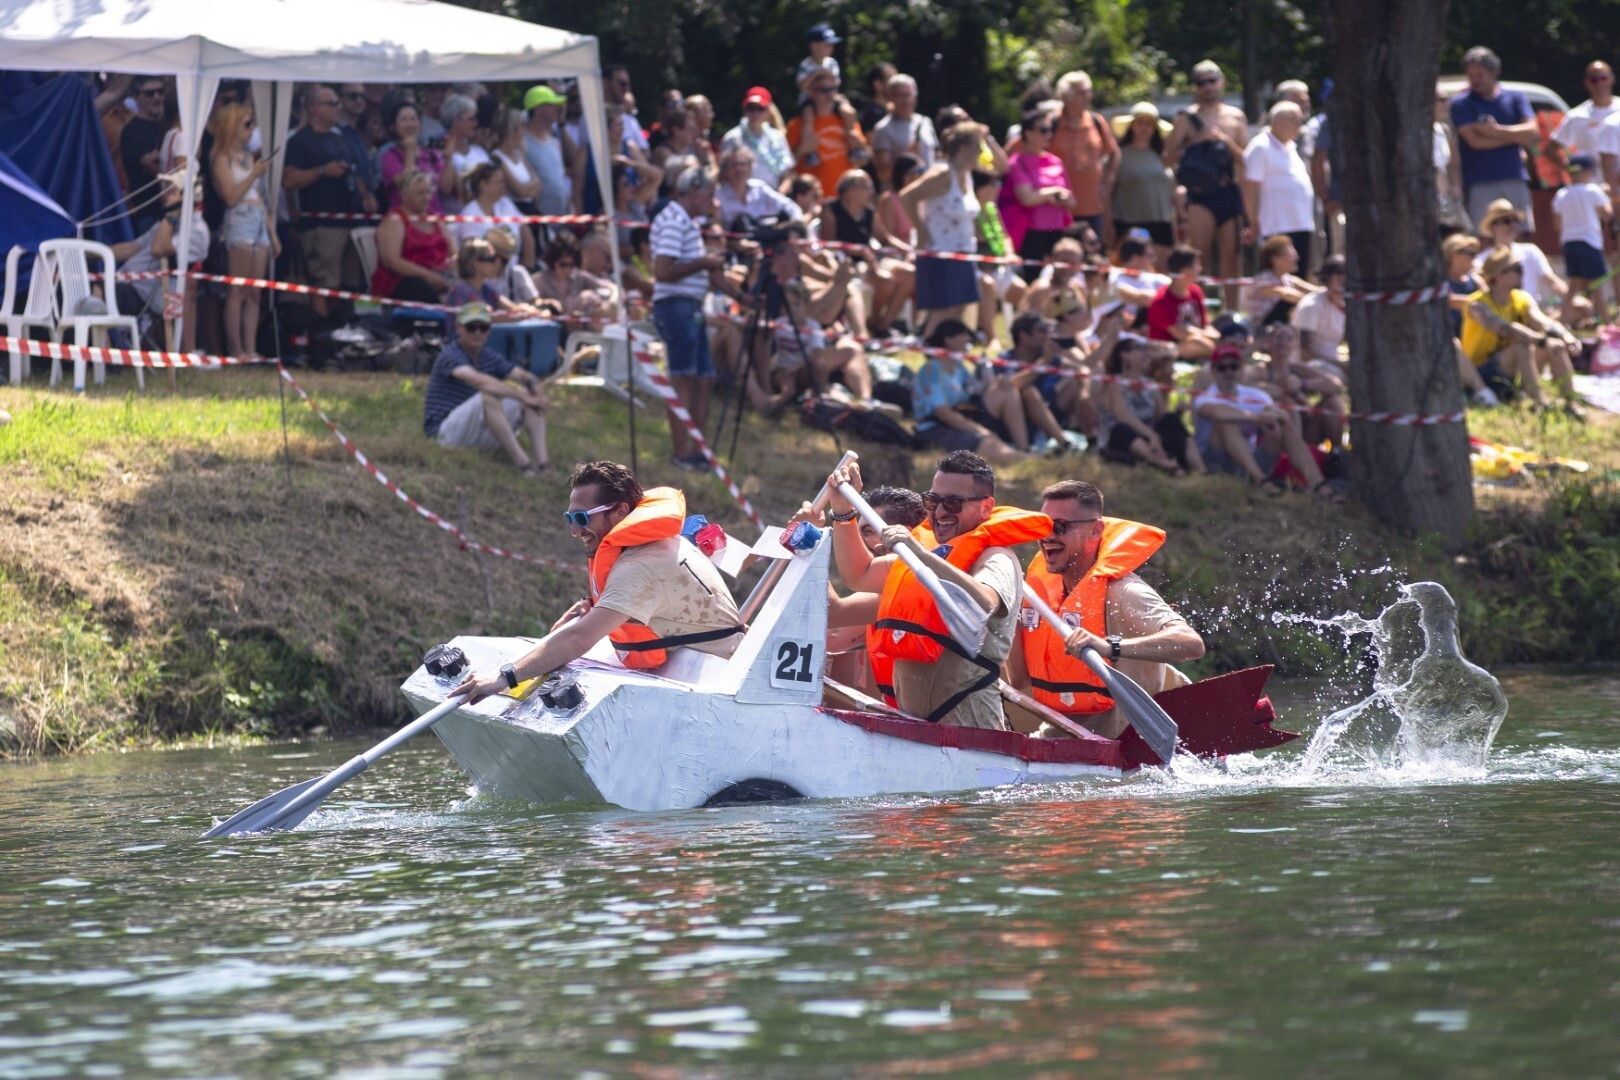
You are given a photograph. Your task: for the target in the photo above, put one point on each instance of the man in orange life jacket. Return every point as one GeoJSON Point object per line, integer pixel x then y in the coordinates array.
{"type": "Point", "coordinates": [967, 540]}
{"type": "Point", "coordinates": [1086, 573]}
{"type": "Point", "coordinates": [650, 590]}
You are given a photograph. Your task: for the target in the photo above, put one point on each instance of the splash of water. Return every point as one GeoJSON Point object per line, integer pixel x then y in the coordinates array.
{"type": "Point", "coordinates": [1430, 707]}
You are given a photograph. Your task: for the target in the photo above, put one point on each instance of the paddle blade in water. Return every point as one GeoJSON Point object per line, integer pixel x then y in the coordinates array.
{"type": "Point", "coordinates": [262, 814]}
{"type": "Point", "coordinates": [1147, 716]}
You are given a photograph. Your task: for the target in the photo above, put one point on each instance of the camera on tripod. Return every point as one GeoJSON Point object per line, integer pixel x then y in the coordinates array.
{"type": "Point", "coordinates": [770, 233]}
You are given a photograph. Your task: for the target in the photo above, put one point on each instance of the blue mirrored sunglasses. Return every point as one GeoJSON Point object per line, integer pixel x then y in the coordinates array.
{"type": "Point", "coordinates": [579, 519]}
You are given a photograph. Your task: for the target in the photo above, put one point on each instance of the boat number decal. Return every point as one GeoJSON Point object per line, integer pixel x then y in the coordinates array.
{"type": "Point", "coordinates": [793, 660]}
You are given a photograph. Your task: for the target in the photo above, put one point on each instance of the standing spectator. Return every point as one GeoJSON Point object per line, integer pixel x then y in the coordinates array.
{"type": "Point", "coordinates": [1090, 154]}
{"type": "Point", "coordinates": [826, 137]}
{"type": "Point", "coordinates": [1583, 212]}
{"type": "Point", "coordinates": [1450, 206]}
{"type": "Point", "coordinates": [1296, 91]}
{"type": "Point", "coordinates": [894, 226]}
{"type": "Point", "coordinates": [549, 150]}
{"type": "Point", "coordinates": [414, 255]}
{"type": "Point", "coordinates": [1144, 188]}
{"type": "Point", "coordinates": [477, 399]}
{"type": "Point", "coordinates": [679, 149]}
{"type": "Point", "coordinates": [820, 40]}
{"type": "Point", "coordinates": [521, 182]}
{"type": "Point", "coordinates": [318, 169]}
{"type": "Point", "coordinates": [1177, 313]}
{"type": "Point", "coordinates": [771, 161]}
{"type": "Point", "coordinates": [740, 192]}
{"type": "Point", "coordinates": [700, 112]}
{"type": "Point", "coordinates": [1037, 205]}
{"type": "Point", "coordinates": [239, 180]}
{"type": "Point", "coordinates": [1589, 127]}
{"type": "Point", "coordinates": [1495, 126]}
{"type": "Point", "coordinates": [1206, 148]}
{"type": "Point", "coordinates": [682, 270]}
{"type": "Point", "coordinates": [431, 101]}
{"type": "Point", "coordinates": [460, 115]}
{"type": "Point", "coordinates": [1504, 331]}
{"type": "Point", "coordinates": [410, 153]}
{"type": "Point", "coordinates": [352, 127]}
{"type": "Point", "coordinates": [877, 81]}
{"type": "Point", "coordinates": [902, 130]}
{"type": "Point", "coordinates": [139, 146]}
{"type": "Point", "coordinates": [1277, 191]}
{"type": "Point", "coordinates": [943, 207]}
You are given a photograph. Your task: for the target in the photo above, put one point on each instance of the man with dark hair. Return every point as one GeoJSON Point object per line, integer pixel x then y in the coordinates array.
{"type": "Point", "coordinates": [1495, 126]}
{"type": "Point", "coordinates": [651, 591]}
{"type": "Point", "coordinates": [1086, 572]}
{"type": "Point", "coordinates": [968, 542]}
{"type": "Point", "coordinates": [140, 145]}
{"type": "Point", "coordinates": [1044, 395]}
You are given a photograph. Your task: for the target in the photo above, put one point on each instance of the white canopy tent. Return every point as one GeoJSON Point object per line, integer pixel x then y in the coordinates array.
{"type": "Point", "coordinates": [277, 43]}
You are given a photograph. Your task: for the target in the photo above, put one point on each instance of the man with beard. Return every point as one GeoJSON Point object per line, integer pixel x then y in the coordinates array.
{"type": "Point", "coordinates": [651, 591]}
{"type": "Point", "coordinates": [967, 540]}
{"type": "Point", "coordinates": [1086, 573]}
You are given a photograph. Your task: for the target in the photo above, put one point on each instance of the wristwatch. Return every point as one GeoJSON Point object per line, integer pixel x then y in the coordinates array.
{"type": "Point", "coordinates": [1113, 646]}
{"type": "Point", "coordinates": [511, 678]}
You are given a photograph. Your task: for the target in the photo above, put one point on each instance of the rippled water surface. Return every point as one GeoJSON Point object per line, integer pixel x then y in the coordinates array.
{"type": "Point", "coordinates": [1251, 923]}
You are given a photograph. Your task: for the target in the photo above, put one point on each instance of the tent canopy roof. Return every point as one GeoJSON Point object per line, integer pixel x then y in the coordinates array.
{"type": "Point", "coordinates": [287, 40]}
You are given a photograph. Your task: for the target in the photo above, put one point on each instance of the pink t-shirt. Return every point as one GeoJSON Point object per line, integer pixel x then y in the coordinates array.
{"type": "Point", "coordinates": [1036, 171]}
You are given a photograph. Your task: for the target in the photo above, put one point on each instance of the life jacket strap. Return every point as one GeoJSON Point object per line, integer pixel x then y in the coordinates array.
{"type": "Point", "coordinates": [992, 670]}
{"type": "Point", "coordinates": [1069, 687]}
{"type": "Point", "coordinates": [675, 641]}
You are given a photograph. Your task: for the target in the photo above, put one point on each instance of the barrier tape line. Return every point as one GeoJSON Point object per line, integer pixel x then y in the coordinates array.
{"type": "Point", "coordinates": [466, 542]}
{"type": "Point", "coordinates": [100, 354]}
{"type": "Point", "coordinates": [672, 400]}
{"type": "Point", "coordinates": [283, 286]}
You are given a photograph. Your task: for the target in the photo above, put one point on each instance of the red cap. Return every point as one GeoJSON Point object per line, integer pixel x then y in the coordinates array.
{"type": "Point", "coordinates": [1226, 352]}
{"type": "Point", "coordinates": [757, 95]}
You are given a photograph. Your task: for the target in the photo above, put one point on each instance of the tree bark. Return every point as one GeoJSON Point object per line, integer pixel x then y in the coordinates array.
{"type": "Point", "coordinates": [1385, 56]}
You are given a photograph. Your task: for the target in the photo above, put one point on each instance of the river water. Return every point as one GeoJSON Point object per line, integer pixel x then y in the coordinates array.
{"type": "Point", "coordinates": [1358, 922]}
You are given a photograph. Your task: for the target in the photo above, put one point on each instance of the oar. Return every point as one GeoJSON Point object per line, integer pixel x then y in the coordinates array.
{"type": "Point", "coordinates": [773, 573]}
{"type": "Point", "coordinates": [289, 806]}
{"type": "Point", "coordinates": [964, 618]}
{"type": "Point", "coordinates": [1147, 716]}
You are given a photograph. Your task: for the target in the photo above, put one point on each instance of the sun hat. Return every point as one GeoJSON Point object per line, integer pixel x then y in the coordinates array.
{"type": "Point", "coordinates": [502, 240]}
{"type": "Point", "coordinates": [473, 311]}
{"type": "Point", "coordinates": [1499, 210]}
{"type": "Point", "coordinates": [542, 95]}
{"type": "Point", "coordinates": [1499, 261]}
{"type": "Point", "coordinates": [1145, 108]}
{"type": "Point", "coordinates": [757, 95]}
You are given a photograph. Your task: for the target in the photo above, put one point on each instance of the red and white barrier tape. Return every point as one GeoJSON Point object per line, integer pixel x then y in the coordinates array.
{"type": "Point", "coordinates": [493, 219]}
{"type": "Point", "coordinates": [1402, 296]}
{"type": "Point", "coordinates": [466, 542]}
{"type": "Point", "coordinates": [672, 400]}
{"type": "Point", "coordinates": [147, 358]}
{"type": "Point", "coordinates": [282, 286]}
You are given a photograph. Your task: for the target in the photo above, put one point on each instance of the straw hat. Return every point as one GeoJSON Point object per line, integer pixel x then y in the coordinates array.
{"type": "Point", "coordinates": [1498, 210]}
{"type": "Point", "coordinates": [1498, 262]}
{"type": "Point", "coordinates": [1460, 243]}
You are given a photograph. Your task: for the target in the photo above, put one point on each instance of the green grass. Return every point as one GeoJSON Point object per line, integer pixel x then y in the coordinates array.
{"type": "Point", "coordinates": [167, 574]}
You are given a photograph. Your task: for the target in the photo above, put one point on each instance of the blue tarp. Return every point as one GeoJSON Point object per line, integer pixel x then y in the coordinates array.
{"type": "Point", "coordinates": [27, 214]}
{"type": "Point", "coordinates": [51, 132]}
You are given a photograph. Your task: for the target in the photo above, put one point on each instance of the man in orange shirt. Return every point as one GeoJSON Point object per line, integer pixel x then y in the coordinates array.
{"type": "Point", "coordinates": [1088, 148]}
{"type": "Point", "coordinates": [833, 142]}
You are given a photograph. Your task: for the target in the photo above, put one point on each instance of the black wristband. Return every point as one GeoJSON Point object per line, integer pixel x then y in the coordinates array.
{"type": "Point", "coordinates": [510, 676]}
{"type": "Point", "coordinates": [1113, 646]}
{"type": "Point", "coordinates": [836, 517]}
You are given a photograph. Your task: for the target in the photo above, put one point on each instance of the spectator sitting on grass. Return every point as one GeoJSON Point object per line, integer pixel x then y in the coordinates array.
{"type": "Point", "coordinates": [1504, 331]}
{"type": "Point", "coordinates": [1133, 281]}
{"type": "Point", "coordinates": [1241, 432]}
{"type": "Point", "coordinates": [947, 400]}
{"type": "Point", "coordinates": [1500, 227]}
{"type": "Point", "coordinates": [1319, 318]}
{"type": "Point", "coordinates": [1021, 376]}
{"type": "Point", "coordinates": [1459, 250]}
{"type": "Point", "coordinates": [1177, 312]}
{"type": "Point", "coordinates": [477, 400]}
{"type": "Point", "coordinates": [1133, 423]}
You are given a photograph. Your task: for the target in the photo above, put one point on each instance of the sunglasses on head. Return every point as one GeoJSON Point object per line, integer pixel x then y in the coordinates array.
{"type": "Point", "coordinates": [952, 504]}
{"type": "Point", "coordinates": [476, 327]}
{"type": "Point", "coordinates": [579, 519]}
{"type": "Point", "coordinates": [1060, 526]}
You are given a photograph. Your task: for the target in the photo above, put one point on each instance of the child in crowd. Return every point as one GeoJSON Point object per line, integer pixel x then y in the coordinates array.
{"type": "Point", "coordinates": [821, 40]}
{"type": "Point", "coordinates": [1583, 211]}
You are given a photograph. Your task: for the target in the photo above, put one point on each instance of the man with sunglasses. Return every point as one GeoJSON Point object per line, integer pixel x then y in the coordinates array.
{"type": "Point", "coordinates": [318, 169]}
{"type": "Point", "coordinates": [651, 591]}
{"type": "Point", "coordinates": [967, 540]}
{"type": "Point", "coordinates": [477, 400]}
{"type": "Point", "coordinates": [139, 145]}
{"type": "Point", "coordinates": [1241, 431]}
{"type": "Point", "coordinates": [1086, 572]}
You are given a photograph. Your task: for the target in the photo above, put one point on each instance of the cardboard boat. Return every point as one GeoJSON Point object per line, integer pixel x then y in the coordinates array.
{"type": "Point", "coordinates": [766, 724]}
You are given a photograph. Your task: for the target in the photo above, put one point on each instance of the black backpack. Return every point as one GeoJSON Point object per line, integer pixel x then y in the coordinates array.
{"type": "Point", "coordinates": [1205, 166]}
{"type": "Point", "coordinates": [840, 418]}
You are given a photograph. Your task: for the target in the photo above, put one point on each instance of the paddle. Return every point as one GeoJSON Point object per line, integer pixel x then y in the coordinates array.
{"type": "Point", "coordinates": [964, 618]}
{"type": "Point", "coordinates": [773, 573]}
{"type": "Point", "coordinates": [1147, 716]}
{"type": "Point", "coordinates": [289, 806]}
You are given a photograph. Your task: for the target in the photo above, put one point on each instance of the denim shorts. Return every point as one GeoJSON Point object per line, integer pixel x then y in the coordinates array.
{"type": "Point", "coordinates": [686, 340]}
{"type": "Point", "coordinates": [244, 226]}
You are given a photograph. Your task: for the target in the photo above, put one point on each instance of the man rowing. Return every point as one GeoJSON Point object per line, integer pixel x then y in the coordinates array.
{"type": "Point", "coordinates": [1086, 572]}
{"type": "Point", "coordinates": [967, 540]}
{"type": "Point", "coordinates": [651, 591]}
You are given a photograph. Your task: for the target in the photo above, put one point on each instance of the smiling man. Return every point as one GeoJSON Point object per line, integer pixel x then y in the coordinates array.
{"type": "Point", "coordinates": [1086, 572]}
{"type": "Point", "coordinates": [651, 591]}
{"type": "Point", "coordinates": [967, 540]}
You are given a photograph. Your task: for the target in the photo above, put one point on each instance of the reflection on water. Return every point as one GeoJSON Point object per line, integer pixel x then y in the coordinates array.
{"type": "Point", "coordinates": [1389, 921]}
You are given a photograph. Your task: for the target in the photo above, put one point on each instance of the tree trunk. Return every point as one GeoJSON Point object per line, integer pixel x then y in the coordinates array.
{"type": "Point", "coordinates": [1385, 57]}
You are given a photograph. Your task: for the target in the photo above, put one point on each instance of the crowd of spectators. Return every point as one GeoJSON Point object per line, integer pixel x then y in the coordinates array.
{"type": "Point", "coordinates": [847, 221]}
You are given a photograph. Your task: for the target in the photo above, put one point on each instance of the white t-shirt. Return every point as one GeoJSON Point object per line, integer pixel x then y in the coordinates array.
{"type": "Point", "coordinates": [1134, 279]}
{"type": "Point", "coordinates": [469, 230]}
{"type": "Point", "coordinates": [1442, 147]}
{"type": "Point", "coordinates": [1324, 319]}
{"type": "Point", "coordinates": [1287, 200]}
{"type": "Point", "coordinates": [1581, 130]}
{"type": "Point", "coordinates": [914, 135]}
{"type": "Point", "coordinates": [1577, 207]}
{"type": "Point", "coordinates": [1249, 399]}
{"type": "Point", "coordinates": [1531, 257]}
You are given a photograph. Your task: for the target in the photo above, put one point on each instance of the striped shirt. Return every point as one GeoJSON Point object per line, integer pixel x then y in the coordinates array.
{"type": "Point", "coordinates": [445, 391]}
{"type": "Point", "coordinates": [676, 235]}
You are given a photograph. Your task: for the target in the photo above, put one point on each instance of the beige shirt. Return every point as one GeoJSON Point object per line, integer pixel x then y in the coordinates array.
{"type": "Point", "coordinates": [1134, 609]}
{"type": "Point", "coordinates": [923, 687]}
{"type": "Point", "coordinates": [670, 586]}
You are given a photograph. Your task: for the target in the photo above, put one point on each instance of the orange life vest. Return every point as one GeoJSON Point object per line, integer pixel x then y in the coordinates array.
{"type": "Point", "coordinates": [909, 626]}
{"type": "Point", "coordinates": [1058, 680]}
{"type": "Point", "coordinates": [882, 663]}
{"type": "Point", "coordinates": [659, 515]}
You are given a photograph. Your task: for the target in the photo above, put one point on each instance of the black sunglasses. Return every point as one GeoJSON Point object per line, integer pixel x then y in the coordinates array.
{"type": "Point", "coordinates": [952, 503]}
{"type": "Point", "coordinates": [476, 327]}
{"type": "Point", "coordinates": [1207, 80]}
{"type": "Point", "coordinates": [1059, 526]}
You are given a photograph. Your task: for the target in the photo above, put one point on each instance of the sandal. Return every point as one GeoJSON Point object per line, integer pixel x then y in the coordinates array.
{"type": "Point", "coordinates": [1328, 493]}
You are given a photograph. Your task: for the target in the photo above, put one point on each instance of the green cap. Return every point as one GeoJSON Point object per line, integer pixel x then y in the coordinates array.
{"type": "Point", "coordinates": [542, 95]}
{"type": "Point", "coordinates": [473, 311]}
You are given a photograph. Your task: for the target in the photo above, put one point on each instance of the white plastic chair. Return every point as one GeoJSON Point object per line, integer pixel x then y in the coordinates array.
{"type": "Point", "coordinates": [72, 260]}
{"type": "Point", "coordinates": [615, 370]}
{"type": "Point", "coordinates": [365, 245]}
{"type": "Point", "coordinates": [36, 310]}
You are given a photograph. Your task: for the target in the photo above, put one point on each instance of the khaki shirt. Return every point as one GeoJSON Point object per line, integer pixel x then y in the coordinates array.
{"type": "Point", "coordinates": [923, 687]}
{"type": "Point", "coordinates": [670, 586]}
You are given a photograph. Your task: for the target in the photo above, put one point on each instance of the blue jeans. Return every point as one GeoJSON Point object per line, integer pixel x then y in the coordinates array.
{"type": "Point", "coordinates": [686, 340]}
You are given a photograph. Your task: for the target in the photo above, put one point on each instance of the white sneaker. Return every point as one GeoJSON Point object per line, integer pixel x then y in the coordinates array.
{"type": "Point", "coordinates": [1485, 396]}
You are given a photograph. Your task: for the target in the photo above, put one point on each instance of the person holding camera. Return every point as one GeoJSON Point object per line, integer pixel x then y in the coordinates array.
{"type": "Point", "coordinates": [318, 169]}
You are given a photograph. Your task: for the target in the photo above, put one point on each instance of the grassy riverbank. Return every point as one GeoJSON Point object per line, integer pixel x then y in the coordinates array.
{"type": "Point", "coordinates": [166, 573]}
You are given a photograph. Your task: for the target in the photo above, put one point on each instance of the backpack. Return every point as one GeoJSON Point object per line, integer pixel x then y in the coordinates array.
{"type": "Point", "coordinates": [828, 414]}
{"type": "Point", "coordinates": [1205, 166]}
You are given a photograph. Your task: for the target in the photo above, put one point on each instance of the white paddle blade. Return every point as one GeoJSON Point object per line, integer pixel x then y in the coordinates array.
{"type": "Point", "coordinates": [967, 622]}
